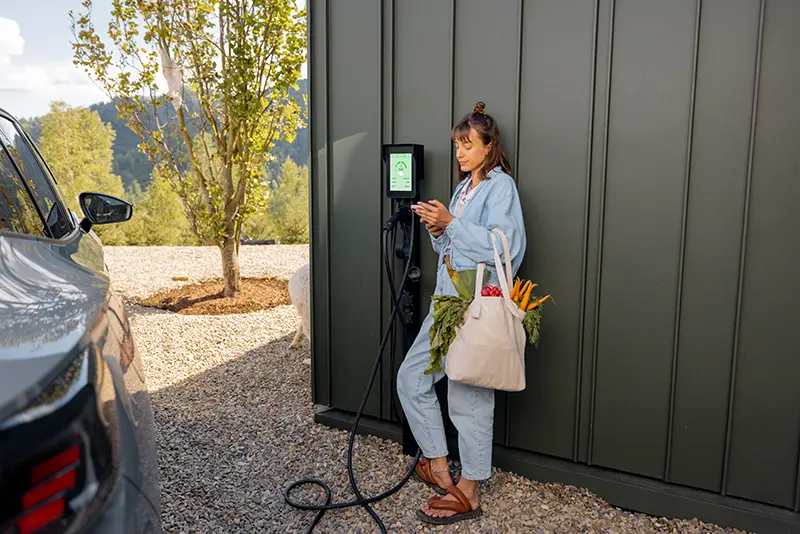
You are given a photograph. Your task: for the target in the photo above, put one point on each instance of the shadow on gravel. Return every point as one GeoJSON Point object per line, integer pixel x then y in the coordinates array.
{"type": "Point", "coordinates": [133, 311]}
{"type": "Point", "coordinates": [231, 439]}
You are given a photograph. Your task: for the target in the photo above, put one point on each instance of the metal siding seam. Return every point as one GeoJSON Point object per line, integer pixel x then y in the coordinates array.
{"type": "Point", "coordinates": [585, 258]}
{"type": "Point", "coordinates": [390, 131]}
{"type": "Point", "coordinates": [797, 484]}
{"type": "Point", "coordinates": [743, 250]}
{"type": "Point", "coordinates": [391, 69]}
{"type": "Point", "coordinates": [392, 140]}
{"type": "Point", "coordinates": [311, 194]}
{"type": "Point", "coordinates": [515, 171]}
{"type": "Point", "coordinates": [682, 256]}
{"type": "Point", "coordinates": [521, 14]}
{"type": "Point", "coordinates": [381, 201]}
{"type": "Point", "coordinates": [452, 85]}
{"type": "Point", "coordinates": [612, 16]}
{"type": "Point", "coordinates": [328, 199]}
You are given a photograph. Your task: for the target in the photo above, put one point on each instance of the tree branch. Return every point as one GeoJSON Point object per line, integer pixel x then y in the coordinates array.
{"type": "Point", "coordinates": [193, 157]}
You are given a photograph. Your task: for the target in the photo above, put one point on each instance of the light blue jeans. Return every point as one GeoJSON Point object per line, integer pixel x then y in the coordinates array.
{"type": "Point", "coordinates": [471, 408]}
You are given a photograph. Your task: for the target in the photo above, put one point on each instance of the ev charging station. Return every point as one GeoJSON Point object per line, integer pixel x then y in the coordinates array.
{"type": "Point", "coordinates": [403, 168]}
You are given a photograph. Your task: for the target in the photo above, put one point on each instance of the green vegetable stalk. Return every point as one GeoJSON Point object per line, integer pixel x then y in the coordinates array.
{"type": "Point", "coordinates": [448, 315]}
{"type": "Point", "coordinates": [532, 323]}
{"type": "Point", "coordinates": [449, 312]}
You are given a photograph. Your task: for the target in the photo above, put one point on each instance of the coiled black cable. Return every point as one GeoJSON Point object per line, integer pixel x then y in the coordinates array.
{"type": "Point", "coordinates": [360, 500]}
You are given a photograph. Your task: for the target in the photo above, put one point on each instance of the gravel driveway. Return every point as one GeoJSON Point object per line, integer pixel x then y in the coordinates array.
{"type": "Point", "coordinates": [233, 408]}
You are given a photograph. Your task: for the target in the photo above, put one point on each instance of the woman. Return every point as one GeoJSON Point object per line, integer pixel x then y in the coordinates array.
{"type": "Point", "coordinates": [485, 198]}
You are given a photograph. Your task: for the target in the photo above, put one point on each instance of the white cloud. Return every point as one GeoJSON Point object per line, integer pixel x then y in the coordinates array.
{"type": "Point", "coordinates": [61, 80]}
{"type": "Point", "coordinates": [27, 89]}
{"type": "Point", "coordinates": [11, 41]}
{"type": "Point", "coordinates": [41, 83]}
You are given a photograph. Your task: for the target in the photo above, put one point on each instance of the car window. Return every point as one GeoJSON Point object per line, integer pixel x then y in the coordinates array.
{"type": "Point", "coordinates": [17, 210]}
{"type": "Point", "coordinates": [36, 178]}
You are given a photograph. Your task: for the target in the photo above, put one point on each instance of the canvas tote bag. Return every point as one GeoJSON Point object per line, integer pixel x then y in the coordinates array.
{"type": "Point", "coordinates": [489, 348]}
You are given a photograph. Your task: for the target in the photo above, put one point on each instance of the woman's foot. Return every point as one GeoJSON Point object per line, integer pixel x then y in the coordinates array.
{"type": "Point", "coordinates": [435, 473]}
{"type": "Point", "coordinates": [469, 489]}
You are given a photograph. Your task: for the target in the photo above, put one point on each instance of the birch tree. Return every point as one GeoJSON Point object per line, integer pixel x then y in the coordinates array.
{"type": "Point", "coordinates": [229, 65]}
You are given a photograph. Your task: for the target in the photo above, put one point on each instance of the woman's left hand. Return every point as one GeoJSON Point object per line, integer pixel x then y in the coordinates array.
{"type": "Point", "coordinates": [434, 213]}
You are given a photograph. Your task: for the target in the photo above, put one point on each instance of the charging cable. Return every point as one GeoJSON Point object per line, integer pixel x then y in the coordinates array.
{"type": "Point", "coordinates": [360, 500]}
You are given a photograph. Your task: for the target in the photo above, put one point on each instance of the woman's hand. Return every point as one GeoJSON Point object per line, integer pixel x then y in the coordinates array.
{"type": "Point", "coordinates": [435, 231]}
{"type": "Point", "coordinates": [434, 214]}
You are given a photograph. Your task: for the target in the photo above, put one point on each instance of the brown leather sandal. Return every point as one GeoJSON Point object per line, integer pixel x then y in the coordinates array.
{"type": "Point", "coordinates": [462, 508]}
{"type": "Point", "coordinates": [424, 473]}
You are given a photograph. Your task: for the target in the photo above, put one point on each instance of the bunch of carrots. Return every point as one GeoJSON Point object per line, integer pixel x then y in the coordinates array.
{"type": "Point", "coordinates": [521, 294]}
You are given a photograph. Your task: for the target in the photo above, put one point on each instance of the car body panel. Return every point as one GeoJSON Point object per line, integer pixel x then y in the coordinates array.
{"type": "Point", "coordinates": [57, 303]}
{"type": "Point", "coordinates": [49, 302]}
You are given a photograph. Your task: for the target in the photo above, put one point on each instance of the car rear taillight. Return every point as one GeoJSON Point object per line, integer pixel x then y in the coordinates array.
{"type": "Point", "coordinates": [57, 458]}
{"type": "Point", "coordinates": [52, 482]}
{"type": "Point", "coordinates": [37, 491]}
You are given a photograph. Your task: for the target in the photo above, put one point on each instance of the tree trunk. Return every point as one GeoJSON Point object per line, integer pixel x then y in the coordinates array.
{"type": "Point", "coordinates": [230, 267]}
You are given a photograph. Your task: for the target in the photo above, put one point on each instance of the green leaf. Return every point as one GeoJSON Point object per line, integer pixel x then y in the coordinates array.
{"type": "Point", "coordinates": [532, 321]}
{"type": "Point", "coordinates": [448, 316]}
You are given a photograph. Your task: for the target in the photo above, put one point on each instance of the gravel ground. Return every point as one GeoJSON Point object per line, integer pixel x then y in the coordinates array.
{"type": "Point", "coordinates": [198, 263]}
{"type": "Point", "coordinates": [235, 424]}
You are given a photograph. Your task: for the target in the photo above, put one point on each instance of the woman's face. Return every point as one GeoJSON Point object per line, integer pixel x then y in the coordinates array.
{"type": "Point", "coordinates": [471, 153]}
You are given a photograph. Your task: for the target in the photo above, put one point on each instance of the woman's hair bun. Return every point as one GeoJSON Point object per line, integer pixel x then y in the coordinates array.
{"type": "Point", "coordinates": [479, 107]}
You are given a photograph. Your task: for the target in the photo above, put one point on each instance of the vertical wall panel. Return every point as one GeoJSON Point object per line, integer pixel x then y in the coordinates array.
{"type": "Point", "coordinates": [718, 176]}
{"type": "Point", "coordinates": [766, 411]}
{"type": "Point", "coordinates": [390, 408]}
{"type": "Point", "coordinates": [650, 101]}
{"type": "Point", "coordinates": [552, 176]}
{"type": "Point", "coordinates": [604, 46]}
{"type": "Point", "coordinates": [674, 340]}
{"type": "Point", "coordinates": [420, 110]}
{"type": "Point", "coordinates": [486, 43]}
{"type": "Point", "coordinates": [318, 193]}
{"type": "Point", "coordinates": [422, 97]}
{"type": "Point", "coordinates": [355, 206]}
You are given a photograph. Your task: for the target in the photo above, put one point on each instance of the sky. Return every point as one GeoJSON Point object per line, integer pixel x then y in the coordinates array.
{"type": "Point", "coordinates": [36, 56]}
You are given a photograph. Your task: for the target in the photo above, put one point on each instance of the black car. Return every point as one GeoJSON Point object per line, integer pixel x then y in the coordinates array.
{"type": "Point", "coordinates": [77, 443]}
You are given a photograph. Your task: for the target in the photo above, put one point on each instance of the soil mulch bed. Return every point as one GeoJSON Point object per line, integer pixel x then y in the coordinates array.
{"type": "Point", "coordinates": [205, 298]}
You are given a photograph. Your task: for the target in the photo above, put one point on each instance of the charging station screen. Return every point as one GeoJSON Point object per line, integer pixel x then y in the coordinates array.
{"type": "Point", "coordinates": [400, 172]}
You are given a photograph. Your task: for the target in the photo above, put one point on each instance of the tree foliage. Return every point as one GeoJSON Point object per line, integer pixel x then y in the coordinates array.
{"type": "Point", "coordinates": [160, 218]}
{"type": "Point", "coordinates": [288, 204]}
{"type": "Point", "coordinates": [77, 147]}
{"type": "Point", "coordinates": [285, 217]}
{"type": "Point", "coordinates": [230, 65]}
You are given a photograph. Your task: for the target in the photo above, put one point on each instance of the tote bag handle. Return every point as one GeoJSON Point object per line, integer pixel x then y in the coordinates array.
{"type": "Point", "coordinates": [503, 275]}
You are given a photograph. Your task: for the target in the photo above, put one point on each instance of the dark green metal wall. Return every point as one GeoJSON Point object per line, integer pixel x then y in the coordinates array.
{"type": "Point", "coordinates": [656, 147]}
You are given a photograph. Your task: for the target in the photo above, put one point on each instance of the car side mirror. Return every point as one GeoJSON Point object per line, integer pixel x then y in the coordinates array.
{"type": "Point", "coordinates": [103, 209]}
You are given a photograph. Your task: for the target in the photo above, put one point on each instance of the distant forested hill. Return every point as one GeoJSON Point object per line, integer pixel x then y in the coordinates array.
{"type": "Point", "coordinates": [133, 166]}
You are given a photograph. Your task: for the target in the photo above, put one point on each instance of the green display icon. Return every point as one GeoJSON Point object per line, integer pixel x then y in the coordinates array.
{"type": "Point", "coordinates": [400, 172]}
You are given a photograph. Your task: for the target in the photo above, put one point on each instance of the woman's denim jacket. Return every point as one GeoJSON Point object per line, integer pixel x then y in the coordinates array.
{"type": "Point", "coordinates": [495, 205]}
